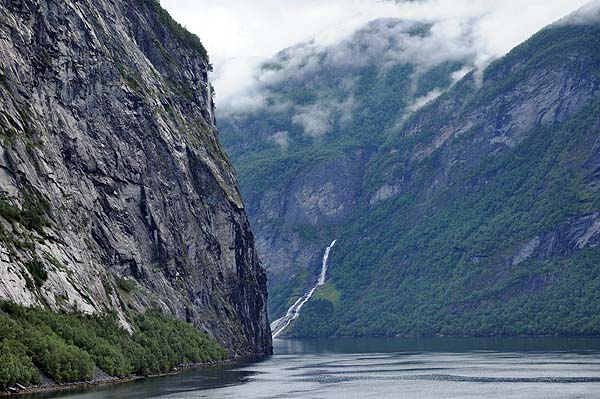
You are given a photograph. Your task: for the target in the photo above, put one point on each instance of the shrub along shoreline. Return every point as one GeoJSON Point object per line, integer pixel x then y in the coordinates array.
{"type": "Point", "coordinates": [69, 348]}
{"type": "Point", "coordinates": [96, 382]}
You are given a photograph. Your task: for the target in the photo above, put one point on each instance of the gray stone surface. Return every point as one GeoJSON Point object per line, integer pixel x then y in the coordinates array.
{"type": "Point", "coordinates": [106, 115]}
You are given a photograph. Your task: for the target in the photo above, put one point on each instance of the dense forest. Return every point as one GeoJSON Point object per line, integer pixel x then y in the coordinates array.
{"type": "Point", "coordinates": [70, 347]}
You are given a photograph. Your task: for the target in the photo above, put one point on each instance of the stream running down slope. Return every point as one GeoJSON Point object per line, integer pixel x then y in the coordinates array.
{"type": "Point", "coordinates": [279, 325]}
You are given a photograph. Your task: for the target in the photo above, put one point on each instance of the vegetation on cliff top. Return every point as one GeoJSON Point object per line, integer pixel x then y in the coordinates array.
{"type": "Point", "coordinates": [67, 347]}
{"type": "Point", "coordinates": [183, 35]}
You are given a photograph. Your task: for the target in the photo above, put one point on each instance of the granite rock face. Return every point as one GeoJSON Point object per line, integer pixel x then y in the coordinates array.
{"type": "Point", "coordinates": [116, 194]}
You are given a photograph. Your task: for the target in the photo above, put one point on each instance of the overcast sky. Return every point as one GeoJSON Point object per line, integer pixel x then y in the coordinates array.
{"type": "Point", "coordinates": [239, 34]}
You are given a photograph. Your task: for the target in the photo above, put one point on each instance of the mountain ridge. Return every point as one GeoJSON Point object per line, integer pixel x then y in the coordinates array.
{"type": "Point", "coordinates": [445, 236]}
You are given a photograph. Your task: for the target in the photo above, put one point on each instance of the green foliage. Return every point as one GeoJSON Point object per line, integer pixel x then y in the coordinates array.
{"type": "Point", "coordinates": [438, 77]}
{"type": "Point", "coordinates": [184, 343]}
{"type": "Point", "coordinates": [57, 359]}
{"type": "Point", "coordinates": [126, 284]}
{"type": "Point", "coordinates": [184, 36]}
{"type": "Point", "coordinates": [9, 212]}
{"type": "Point", "coordinates": [37, 270]}
{"type": "Point", "coordinates": [133, 79]}
{"type": "Point", "coordinates": [328, 292]}
{"type": "Point", "coordinates": [314, 321]}
{"type": "Point", "coordinates": [15, 364]}
{"type": "Point", "coordinates": [68, 347]}
{"type": "Point", "coordinates": [282, 294]}
{"type": "Point", "coordinates": [33, 214]}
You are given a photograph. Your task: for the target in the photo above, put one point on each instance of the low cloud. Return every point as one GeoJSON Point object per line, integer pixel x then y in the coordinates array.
{"type": "Point", "coordinates": [383, 43]}
{"type": "Point", "coordinates": [461, 73]}
{"type": "Point", "coordinates": [422, 101]}
{"type": "Point", "coordinates": [227, 86]}
{"type": "Point", "coordinates": [586, 15]}
{"type": "Point", "coordinates": [241, 35]}
{"type": "Point", "coordinates": [282, 139]}
{"type": "Point", "coordinates": [315, 120]}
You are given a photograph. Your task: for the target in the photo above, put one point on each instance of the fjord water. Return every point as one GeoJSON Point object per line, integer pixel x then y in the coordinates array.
{"type": "Point", "coordinates": [442, 368]}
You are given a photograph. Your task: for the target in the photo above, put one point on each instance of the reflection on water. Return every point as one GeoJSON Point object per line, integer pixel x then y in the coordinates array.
{"type": "Point", "coordinates": [389, 368]}
{"type": "Point", "coordinates": [451, 345]}
{"type": "Point", "coordinates": [188, 380]}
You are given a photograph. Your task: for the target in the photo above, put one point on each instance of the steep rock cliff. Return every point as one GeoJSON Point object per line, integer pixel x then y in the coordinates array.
{"type": "Point", "coordinates": [116, 194]}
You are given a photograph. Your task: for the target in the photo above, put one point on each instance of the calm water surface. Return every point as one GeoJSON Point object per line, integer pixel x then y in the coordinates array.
{"type": "Point", "coordinates": [523, 368]}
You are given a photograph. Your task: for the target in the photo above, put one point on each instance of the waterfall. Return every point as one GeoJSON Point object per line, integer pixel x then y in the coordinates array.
{"type": "Point", "coordinates": [279, 325]}
{"type": "Point", "coordinates": [324, 266]}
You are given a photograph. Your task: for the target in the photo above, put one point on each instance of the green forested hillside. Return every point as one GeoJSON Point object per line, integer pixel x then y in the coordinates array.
{"type": "Point", "coordinates": [479, 214]}
{"type": "Point", "coordinates": [447, 269]}
{"type": "Point", "coordinates": [495, 231]}
{"type": "Point", "coordinates": [324, 118]}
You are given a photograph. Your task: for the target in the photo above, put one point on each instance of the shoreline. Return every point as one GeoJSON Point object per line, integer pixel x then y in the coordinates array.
{"type": "Point", "coordinates": [113, 380]}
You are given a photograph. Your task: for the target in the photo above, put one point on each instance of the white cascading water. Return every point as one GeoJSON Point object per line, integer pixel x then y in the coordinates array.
{"type": "Point", "coordinates": [279, 325]}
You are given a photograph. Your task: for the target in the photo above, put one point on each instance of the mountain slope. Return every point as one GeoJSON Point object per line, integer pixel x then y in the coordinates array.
{"type": "Point", "coordinates": [475, 213]}
{"type": "Point", "coordinates": [302, 156]}
{"type": "Point", "coordinates": [493, 227]}
{"type": "Point", "coordinates": [116, 194]}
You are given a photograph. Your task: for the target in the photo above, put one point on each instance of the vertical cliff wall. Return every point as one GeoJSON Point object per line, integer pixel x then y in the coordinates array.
{"type": "Point", "coordinates": [115, 193]}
